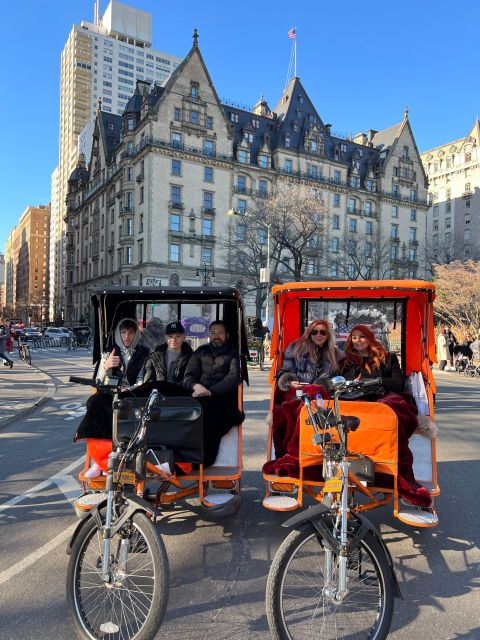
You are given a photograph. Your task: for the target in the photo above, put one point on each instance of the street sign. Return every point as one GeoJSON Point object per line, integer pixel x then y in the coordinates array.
{"type": "Point", "coordinates": [264, 274]}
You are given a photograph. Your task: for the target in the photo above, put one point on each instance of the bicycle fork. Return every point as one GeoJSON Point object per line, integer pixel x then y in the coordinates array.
{"type": "Point", "coordinates": [107, 527]}
{"type": "Point", "coordinates": [336, 590]}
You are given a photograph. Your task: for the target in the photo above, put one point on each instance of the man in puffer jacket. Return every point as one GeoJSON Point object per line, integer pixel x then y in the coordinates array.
{"type": "Point", "coordinates": [212, 376]}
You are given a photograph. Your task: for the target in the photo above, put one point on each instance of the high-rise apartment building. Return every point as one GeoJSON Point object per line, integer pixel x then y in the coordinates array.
{"type": "Point", "coordinates": [150, 205]}
{"type": "Point", "coordinates": [453, 221]}
{"type": "Point", "coordinates": [101, 61]}
{"type": "Point", "coordinates": [26, 265]}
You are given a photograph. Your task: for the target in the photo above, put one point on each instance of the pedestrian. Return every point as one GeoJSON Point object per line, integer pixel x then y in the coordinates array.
{"type": "Point", "coordinates": [451, 342]}
{"type": "Point", "coordinates": [4, 335]}
{"type": "Point", "coordinates": [442, 349]}
{"type": "Point", "coordinates": [475, 347]}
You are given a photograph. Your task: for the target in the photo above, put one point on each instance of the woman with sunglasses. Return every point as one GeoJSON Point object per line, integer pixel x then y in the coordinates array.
{"type": "Point", "coordinates": [311, 358]}
{"type": "Point", "coordinates": [366, 357]}
{"type": "Point", "coordinates": [307, 363]}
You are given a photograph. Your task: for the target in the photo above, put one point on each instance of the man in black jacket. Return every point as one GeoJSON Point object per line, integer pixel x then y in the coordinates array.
{"type": "Point", "coordinates": [213, 376]}
{"type": "Point", "coordinates": [167, 363]}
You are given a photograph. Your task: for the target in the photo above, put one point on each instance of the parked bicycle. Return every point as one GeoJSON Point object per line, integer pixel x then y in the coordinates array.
{"type": "Point", "coordinates": [332, 577]}
{"type": "Point", "coordinates": [24, 352]}
{"type": "Point", "coordinates": [118, 575]}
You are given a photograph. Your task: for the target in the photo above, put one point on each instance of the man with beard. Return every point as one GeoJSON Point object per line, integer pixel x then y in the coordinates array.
{"type": "Point", "coordinates": [212, 376]}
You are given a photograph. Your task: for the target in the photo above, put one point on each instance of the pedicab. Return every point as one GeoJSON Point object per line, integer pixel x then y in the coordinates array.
{"type": "Point", "coordinates": [175, 437]}
{"type": "Point", "coordinates": [401, 315]}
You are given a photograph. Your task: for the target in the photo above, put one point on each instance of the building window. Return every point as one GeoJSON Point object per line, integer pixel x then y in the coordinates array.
{"type": "Point", "coordinates": [354, 182]}
{"type": "Point", "coordinates": [206, 255]}
{"type": "Point", "coordinates": [176, 194]}
{"type": "Point", "coordinates": [208, 148]}
{"type": "Point", "coordinates": [352, 225]}
{"type": "Point", "coordinates": [174, 222]}
{"type": "Point", "coordinates": [177, 116]}
{"type": "Point", "coordinates": [393, 252]}
{"type": "Point", "coordinates": [176, 168]}
{"type": "Point", "coordinates": [243, 156]}
{"type": "Point", "coordinates": [262, 187]}
{"type": "Point", "coordinates": [369, 185]}
{"type": "Point", "coordinates": [467, 204]}
{"type": "Point", "coordinates": [194, 90]}
{"type": "Point", "coordinates": [435, 211]}
{"type": "Point", "coordinates": [394, 231]}
{"type": "Point", "coordinates": [368, 208]}
{"type": "Point", "coordinates": [233, 117]}
{"type": "Point", "coordinates": [263, 161]}
{"type": "Point", "coordinates": [242, 206]}
{"type": "Point", "coordinates": [395, 190]}
{"type": "Point", "coordinates": [174, 253]}
{"type": "Point", "coordinates": [207, 227]}
{"type": "Point", "coordinates": [395, 171]}
{"type": "Point", "coordinates": [368, 228]}
{"type": "Point", "coordinates": [412, 255]}
{"type": "Point", "coordinates": [413, 234]}
{"type": "Point", "coordinates": [405, 152]}
{"type": "Point", "coordinates": [337, 176]}
{"type": "Point", "coordinates": [334, 245]}
{"type": "Point", "coordinates": [466, 235]}
{"type": "Point", "coordinates": [208, 200]}
{"type": "Point", "coordinates": [404, 172]}
{"type": "Point", "coordinates": [313, 171]}
{"type": "Point", "coordinates": [241, 183]}
{"type": "Point", "coordinates": [351, 205]}
{"type": "Point", "coordinates": [208, 174]}
{"type": "Point", "coordinates": [394, 212]}
{"type": "Point", "coordinates": [336, 199]}
{"type": "Point", "coordinates": [241, 232]}
{"type": "Point", "coordinates": [176, 140]}
{"type": "Point", "coordinates": [333, 270]}
{"type": "Point", "coordinates": [209, 122]}
{"type": "Point", "coordinates": [128, 255]}
{"type": "Point", "coordinates": [141, 195]}
{"type": "Point", "coordinates": [468, 157]}
{"type": "Point", "coordinates": [140, 252]}
{"type": "Point", "coordinates": [413, 195]}
{"type": "Point", "coordinates": [287, 165]}
{"type": "Point", "coordinates": [194, 117]}
{"type": "Point", "coordinates": [336, 221]}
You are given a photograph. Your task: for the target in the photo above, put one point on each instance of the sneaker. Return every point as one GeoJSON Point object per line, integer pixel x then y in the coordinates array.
{"type": "Point", "coordinates": [93, 472]}
{"type": "Point", "coordinates": [10, 364]}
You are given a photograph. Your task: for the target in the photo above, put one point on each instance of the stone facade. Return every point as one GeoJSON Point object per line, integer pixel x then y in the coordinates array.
{"type": "Point", "coordinates": [453, 222]}
{"type": "Point", "coordinates": [151, 206]}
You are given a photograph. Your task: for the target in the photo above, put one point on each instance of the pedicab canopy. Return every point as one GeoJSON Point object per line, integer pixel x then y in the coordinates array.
{"type": "Point", "coordinates": [409, 303]}
{"type": "Point", "coordinates": [166, 304]}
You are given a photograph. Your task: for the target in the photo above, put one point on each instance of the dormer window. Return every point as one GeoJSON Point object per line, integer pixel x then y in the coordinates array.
{"type": "Point", "coordinates": [130, 123]}
{"type": "Point", "coordinates": [343, 147]}
{"type": "Point", "coordinates": [194, 90]}
{"type": "Point", "coordinates": [296, 126]}
{"type": "Point", "coordinates": [248, 137]}
{"type": "Point", "coordinates": [313, 146]}
{"type": "Point", "coordinates": [287, 140]}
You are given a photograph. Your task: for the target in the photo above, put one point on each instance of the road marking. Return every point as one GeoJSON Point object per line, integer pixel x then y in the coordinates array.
{"type": "Point", "coordinates": [55, 479]}
{"type": "Point", "coordinates": [38, 554]}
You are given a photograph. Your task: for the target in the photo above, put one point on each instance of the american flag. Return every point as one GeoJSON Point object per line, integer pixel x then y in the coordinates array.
{"type": "Point", "coordinates": [292, 34]}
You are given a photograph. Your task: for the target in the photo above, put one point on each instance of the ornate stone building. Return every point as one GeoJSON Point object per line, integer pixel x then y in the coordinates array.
{"type": "Point", "coordinates": [151, 206]}
{"type": "Point", "coordinates": [453, 227]}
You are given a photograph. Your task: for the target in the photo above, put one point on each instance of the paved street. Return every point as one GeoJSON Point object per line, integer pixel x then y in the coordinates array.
{"type": "Point", "coordinates": [218, 569]}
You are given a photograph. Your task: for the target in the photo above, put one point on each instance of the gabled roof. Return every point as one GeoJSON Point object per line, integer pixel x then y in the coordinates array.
{"type": "Point", "coordinates": [111, 127]}
{"type": "Point", "coordinates": [384, 139]}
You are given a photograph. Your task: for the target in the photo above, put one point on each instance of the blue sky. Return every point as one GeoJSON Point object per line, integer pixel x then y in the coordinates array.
{"type": "Point", "coordinates": [360, 62]}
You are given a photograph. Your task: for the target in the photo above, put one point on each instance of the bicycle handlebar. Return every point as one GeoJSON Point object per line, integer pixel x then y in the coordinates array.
{"type": "Point", "coordinates": [94, 382]}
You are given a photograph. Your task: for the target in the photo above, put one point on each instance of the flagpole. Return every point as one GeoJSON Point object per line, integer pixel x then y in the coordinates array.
{"type": "Point", "coordinates": [295, 65]}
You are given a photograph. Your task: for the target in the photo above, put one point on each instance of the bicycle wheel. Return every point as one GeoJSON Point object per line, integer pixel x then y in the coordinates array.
{"type": "Point", "coordinates": [28, 356]}
{"type": "Point", "coordinates": [133, 604]}
{"type": "Point", "coordinates": [299, 609]}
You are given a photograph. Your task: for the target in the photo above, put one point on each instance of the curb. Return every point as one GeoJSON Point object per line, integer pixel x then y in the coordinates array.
{"type": "Point", "coordinates": [51, 390]}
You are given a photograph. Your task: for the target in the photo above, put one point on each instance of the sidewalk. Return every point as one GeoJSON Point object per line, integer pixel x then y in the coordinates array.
{"type": "Point", "coordinates": [22, 389]}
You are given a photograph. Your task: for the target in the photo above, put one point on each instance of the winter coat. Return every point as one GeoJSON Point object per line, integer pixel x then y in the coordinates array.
{"type": "Point", "coordinates": [132, 359]}
{"type": "Point", "coordinates": [156, 364]}
{"type": "Point", "coordinates": [389, 371]}
{"type": "Point", "coordinates": [303, 368]}
{"type": "Point", "coordinates": [442, 350]}
{"type": "Point", "coordinates": [216, 368]}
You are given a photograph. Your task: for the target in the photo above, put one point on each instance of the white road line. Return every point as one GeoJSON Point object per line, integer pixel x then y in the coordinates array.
{"type": "Point", "coordinates": [37, 555]}
{"type": "Point", "coordinates": [57, 478]}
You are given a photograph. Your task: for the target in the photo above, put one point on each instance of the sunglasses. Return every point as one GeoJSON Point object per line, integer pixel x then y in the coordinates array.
{"type": "Point", "coordinates": [322, 332]}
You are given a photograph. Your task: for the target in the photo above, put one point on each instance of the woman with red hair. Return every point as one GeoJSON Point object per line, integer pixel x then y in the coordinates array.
{"type": "Point", "coordinates": [366, 357]}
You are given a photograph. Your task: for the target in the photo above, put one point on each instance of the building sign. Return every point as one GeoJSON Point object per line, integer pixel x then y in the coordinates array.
{"type": "Point", "coordinates": [153, 281]}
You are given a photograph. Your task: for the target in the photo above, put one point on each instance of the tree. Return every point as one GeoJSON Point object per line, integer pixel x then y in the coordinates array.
{"type": "Point", "coordinates": [292, 218]}
{"type": "Point", "coordinates": [359, 256]}
{"type": "Point", "coordinates": [458, 295]}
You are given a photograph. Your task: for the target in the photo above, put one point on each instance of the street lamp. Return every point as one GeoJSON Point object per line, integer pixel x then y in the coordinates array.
{"type": "Point", "coordinates": [205, 273]}
{"type": "Point", "coordinates": [264, 271]}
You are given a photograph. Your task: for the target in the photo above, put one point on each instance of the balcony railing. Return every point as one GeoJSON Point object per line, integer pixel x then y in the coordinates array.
{"type": "Point", "coordinates": [210, 210]}
{"type": "Point", "coordinates": [125, 209]}
{"type": "Point", "coordinates": [175, 204]}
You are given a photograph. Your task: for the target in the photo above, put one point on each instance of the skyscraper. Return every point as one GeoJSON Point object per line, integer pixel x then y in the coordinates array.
{"type": "Point", "coordinates": [101, 61]}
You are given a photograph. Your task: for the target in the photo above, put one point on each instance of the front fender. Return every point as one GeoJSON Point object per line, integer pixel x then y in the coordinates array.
{"type": "Point", "coordinates": [132, 505]}
{"type": "Point", "coordinates": [317, 515]}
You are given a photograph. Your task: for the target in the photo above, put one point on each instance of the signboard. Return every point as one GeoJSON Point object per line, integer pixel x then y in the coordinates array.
{"type": "Point", "coordinates": [153, 281]}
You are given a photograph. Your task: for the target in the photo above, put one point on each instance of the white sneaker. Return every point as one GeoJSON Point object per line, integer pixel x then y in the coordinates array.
{"type": "Point", "coordinates": [94, 471]}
